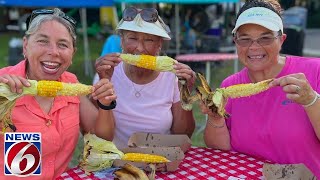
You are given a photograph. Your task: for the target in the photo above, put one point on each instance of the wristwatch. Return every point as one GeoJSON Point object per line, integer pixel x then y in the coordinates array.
{"type": "Point", "coordinates": [112, 105]}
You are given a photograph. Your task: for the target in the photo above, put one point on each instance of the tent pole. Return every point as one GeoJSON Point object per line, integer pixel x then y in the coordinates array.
{"type": "Point", "coordinates": [236, 61]}
{"type": "Point", "coordinates": [87, 63]}
{"type": "Point", "coordinates": [177, 18]}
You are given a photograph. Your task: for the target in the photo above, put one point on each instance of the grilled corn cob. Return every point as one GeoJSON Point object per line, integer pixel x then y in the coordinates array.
{"type": "Point", "coordinates": [217, 99]}
{"type": "Point", "coordinates": [147, 158]}
{"type": "Point", "coordinates": [157, 63]}
{"type": "Point", "coordinates": [40, 88]}
{"type": "Point", "coordinates": [55, 88]}
{"type": "Point", "coordinates": [244, 90]}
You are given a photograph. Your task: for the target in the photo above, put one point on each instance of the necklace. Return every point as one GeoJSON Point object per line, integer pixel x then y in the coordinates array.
{"type": "Point", "coordinates": [137, 93]}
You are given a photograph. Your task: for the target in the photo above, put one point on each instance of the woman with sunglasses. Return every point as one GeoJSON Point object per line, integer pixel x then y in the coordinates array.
{"type": "Point", "coordinates": [148, 101]}
{"type": "Point", "coordinates": [48, 47]}
{"type": "Point", "coordinates": [281, 124]}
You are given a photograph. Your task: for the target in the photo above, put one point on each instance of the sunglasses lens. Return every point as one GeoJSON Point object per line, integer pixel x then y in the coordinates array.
{"type": "Point", "coordinates": [149, 15]}
{"type": "Point", "coordinates": [129, 14]}
{"type": "Point", "coordinates": [37, 12]}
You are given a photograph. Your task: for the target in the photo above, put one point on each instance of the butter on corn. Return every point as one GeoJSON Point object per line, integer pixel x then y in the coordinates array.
{"type": "Point", "coordinates": [147, 158]}
{"type": "Point", "coordinates": [156, 63]}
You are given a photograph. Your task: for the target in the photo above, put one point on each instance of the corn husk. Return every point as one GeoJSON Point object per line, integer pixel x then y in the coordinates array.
{"type": "Point", "coordinates": [98, 154]}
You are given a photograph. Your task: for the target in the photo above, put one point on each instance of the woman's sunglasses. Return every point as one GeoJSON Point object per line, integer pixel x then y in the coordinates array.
{"type": "Point", "coordinates": [148, 14]}
{"type": "Point", "coordinates": [38, 12]}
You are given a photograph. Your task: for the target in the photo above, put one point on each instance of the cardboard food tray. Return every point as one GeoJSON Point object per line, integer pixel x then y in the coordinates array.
{"type": "Point", "coordinates": [174, 154]}
{"type": "Point", "coordinates": [287, 172]}
{"type": "Point", "coordinates": [159, 140]}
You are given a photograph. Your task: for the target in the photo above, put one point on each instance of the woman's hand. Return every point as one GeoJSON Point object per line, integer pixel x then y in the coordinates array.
{"type": "Point", "coordinates": [105, 65]}
{"type": "Point", "coordinates": [16, 83]}
{"type": "Point", "coordinates": [104, 92]}
{"type": "Point", "coordinates": [183, 71]}
{"type": "Point", "coordinates": [205, 110]}
{"type": "Point", "coordinates": [297, 88]}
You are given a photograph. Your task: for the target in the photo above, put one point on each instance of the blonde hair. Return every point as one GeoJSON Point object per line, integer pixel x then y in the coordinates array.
{"type": "Point", "coordinates": [37, 21]}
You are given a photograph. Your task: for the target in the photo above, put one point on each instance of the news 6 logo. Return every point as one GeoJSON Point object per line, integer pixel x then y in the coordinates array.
{"type": "Point", "coordinates": [22, 154]}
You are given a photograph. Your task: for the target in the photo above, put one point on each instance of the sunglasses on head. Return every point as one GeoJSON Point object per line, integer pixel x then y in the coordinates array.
{"type": "Point", "coordinates": [147, 14]}
{"type": "Point", "coordinates": [38, 12]}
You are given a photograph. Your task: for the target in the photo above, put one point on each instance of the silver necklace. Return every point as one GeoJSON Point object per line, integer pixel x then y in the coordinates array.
{"type": "Point", "coordinates": [137, 93]}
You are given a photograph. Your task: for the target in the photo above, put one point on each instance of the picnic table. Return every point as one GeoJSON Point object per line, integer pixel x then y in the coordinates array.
{"type": "Point", "coordinates": [199, 163]}
{"type": "Point", "coordinates": [207, 58]}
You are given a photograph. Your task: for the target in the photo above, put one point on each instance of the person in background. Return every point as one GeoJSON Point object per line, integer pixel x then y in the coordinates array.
{"type": "Point", "coordinates": [148, 101]}
{"type": "Point", "coordinates": [281, 124]}
{"type": "Point", "coordinates": [111, 45]}
{"type": "Point", "coordinates": [48, 47]}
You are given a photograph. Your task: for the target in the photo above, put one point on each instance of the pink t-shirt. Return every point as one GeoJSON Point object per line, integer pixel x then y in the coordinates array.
{"type": "Point", "coordinates": [151, 112]}
{"type": "Point", "coordinates": [269, 125]}
{"type": "Point", "coordinates": [59, 139]}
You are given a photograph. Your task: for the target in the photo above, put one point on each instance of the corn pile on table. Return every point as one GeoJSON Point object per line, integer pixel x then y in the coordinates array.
{"type": "Point", "coordinates": [199, 163]}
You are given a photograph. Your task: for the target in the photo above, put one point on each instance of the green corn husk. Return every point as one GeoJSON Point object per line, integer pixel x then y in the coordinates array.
{"type": "Point", "coordinates": [98, 154]}
{"type": "Point", "coordinates": [8, 100]}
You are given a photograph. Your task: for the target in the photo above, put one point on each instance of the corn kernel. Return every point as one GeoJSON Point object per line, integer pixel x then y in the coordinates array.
{"type": "Point", "coordinates": [243, 90]}
{"type": "Point", "coordinates": [147, 62]}
{"type": "Point", "coordinates": [48, 88]}
{"type": "Point", "coordinates": [55, 88]}
{"type": "Point", "coordinates": [147, 158]}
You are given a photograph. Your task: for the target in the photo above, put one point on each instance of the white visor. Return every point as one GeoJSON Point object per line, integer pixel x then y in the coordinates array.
{"type": "Point", "coordinates": [139, 25]}
{"type": "Point", "coordinates": [260, 16]}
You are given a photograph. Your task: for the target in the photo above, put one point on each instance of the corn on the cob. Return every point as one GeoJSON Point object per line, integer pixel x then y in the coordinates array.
{"type": "Point", "coordinates": [147, 158]}
{"type": "Point", "coordinates": [216, 100]}
{"type": "Point", "coordinates": [157, 63]}
{"type": "Point", "coordinates": [55, 88]}
{"type": "Point", "coordinates": [244, 90]}
{"type": "Point", "coordinates": [41, 88]}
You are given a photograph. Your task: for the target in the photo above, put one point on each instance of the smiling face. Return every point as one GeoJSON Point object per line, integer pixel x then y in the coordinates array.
{"type": "Point", "coordinates": [141, 43]}
{"type": "Point", "coordinates": [49, 51]}
{"type": "Point", "coordinates": [255, 56]}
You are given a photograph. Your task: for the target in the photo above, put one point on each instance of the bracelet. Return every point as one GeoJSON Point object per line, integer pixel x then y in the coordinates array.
{"type": "Point", "coordinates": [215, 126]}
{"type": "Point", "coordinates": [313, 101]}
{"type": "Point", "coordinates": [112, 105]}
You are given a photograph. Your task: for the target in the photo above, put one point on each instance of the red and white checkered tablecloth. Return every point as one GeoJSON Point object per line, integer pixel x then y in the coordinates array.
{"type": "Point", "coordinates": [200, 163]}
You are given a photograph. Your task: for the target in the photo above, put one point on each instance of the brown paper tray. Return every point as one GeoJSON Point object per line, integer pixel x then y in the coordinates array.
{"type": "Point", "coordinates": [160, 140]}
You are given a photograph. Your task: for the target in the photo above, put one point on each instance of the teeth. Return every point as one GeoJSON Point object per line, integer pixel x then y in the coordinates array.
{"type": "Point", "coordinates": [256, 57]}
{"type": "Point", "coordinates": [51, 63]}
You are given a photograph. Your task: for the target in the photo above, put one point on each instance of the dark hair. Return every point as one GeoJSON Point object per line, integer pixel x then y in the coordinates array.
{"type": "Point", "coordinates": [273, 5]}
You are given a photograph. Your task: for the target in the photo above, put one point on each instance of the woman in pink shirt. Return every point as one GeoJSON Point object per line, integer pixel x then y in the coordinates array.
{"type": "Point", "coordinates": [48, 47]}
{"type": "Point", "coordinates": [281, 124]}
